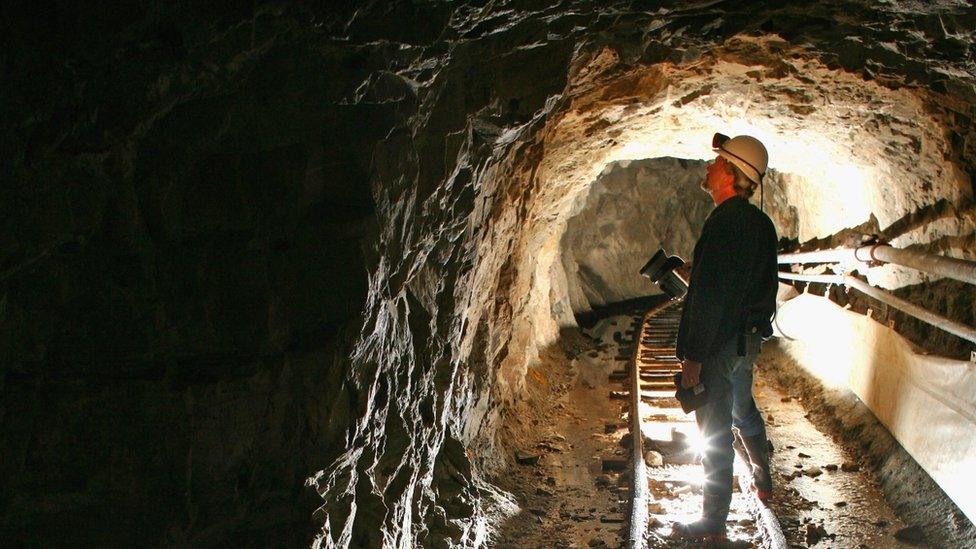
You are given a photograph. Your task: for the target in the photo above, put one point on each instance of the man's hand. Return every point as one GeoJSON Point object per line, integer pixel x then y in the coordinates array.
{"type": "Point", "coordinates": [690, 373]}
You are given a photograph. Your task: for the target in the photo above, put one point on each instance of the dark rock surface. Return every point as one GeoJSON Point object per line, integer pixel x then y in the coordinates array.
{"type": "Point", "coordinates": [246, 245]}
{"type": "Point", "coordinates": [186, 226]}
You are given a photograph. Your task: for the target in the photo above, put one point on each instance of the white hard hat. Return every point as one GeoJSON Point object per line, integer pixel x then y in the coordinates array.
{"type": "Point", "coordinates": [746, 152]}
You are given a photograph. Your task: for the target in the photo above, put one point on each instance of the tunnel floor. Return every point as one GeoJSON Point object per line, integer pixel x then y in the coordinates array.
{"type": "Point", "coordinates": [571, 480]}
{"type": "Point", "coordinates": [823, 490]}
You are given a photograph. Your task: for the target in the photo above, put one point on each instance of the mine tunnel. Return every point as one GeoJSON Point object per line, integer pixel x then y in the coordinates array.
{"type": "Point", "coordinates": [367, 274]}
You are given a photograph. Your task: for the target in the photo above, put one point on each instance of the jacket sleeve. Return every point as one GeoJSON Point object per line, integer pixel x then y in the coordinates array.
{"type": "Point", "coordinates": [720, 279]}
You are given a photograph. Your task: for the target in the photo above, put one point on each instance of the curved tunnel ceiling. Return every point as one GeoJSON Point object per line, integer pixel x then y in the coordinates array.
{"type": "Point", "coordinates": [849, 148]}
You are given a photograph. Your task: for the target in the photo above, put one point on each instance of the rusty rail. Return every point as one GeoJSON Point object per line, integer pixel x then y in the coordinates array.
{"type": "Point", "coordinates": [637, 532]}
{"type": "Point", "coordinates": [654, 360]}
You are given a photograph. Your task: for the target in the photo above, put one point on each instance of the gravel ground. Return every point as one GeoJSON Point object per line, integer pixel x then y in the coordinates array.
{"type": "Point", "coordinates": [824, 496]}
{"type": "Point", "coordinates": [566, 498]}
{"type": "Point", "coordinates": [930, 517]}
{"type": "Point", "coordinates": [572, 431]}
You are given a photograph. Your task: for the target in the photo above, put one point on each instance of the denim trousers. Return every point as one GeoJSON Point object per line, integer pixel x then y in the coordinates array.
{"type": "Point", "coordinates": [728, 378]}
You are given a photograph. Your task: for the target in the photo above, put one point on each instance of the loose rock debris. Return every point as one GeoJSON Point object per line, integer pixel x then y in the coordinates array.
{"type": "Point", "coordinates": [815, 533]}
{"type": "Point", "coordinates": [572, 485]}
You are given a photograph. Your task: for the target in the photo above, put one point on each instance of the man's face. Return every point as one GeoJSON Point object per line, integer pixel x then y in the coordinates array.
{"type": "Point", "coordinates": [716, 174]}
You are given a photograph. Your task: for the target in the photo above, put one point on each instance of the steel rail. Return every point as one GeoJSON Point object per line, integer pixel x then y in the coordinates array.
{"type": "Point", "coordinates": [949, 267]}
{"type": "Point", "coordinates": [766, 518]}
{"type": "Point", "coordinates": [637, 531]}
{"type": "Point", "coordinates": [939, 321]}
{"type": "Point", "coordinates": [654, 341]}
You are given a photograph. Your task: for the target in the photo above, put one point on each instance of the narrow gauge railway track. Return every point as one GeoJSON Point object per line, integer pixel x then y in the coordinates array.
{"type": "Point", "coordinates": [654, 410]}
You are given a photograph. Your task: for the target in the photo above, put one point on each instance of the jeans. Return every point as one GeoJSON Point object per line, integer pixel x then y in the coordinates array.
{"type": "Point", "coordinates": [728, 378]}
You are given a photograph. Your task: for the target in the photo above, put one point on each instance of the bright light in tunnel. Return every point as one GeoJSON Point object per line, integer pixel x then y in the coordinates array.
{"type": "Point", "coordinates": [697, 443]}
{"type": "Point", "coordinates": [823, 331]}
{"type": "Point", "coordinates": [834, 181]}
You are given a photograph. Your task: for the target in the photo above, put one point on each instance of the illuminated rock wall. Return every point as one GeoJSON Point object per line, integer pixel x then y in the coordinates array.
{"type": "Point", "coordinates": [631, 210]}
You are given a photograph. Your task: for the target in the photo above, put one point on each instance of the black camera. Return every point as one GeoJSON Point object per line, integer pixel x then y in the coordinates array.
{"type": "Point", "coordinates": [691, 398]}
{"type": "Point", "coordinates": [660, 270]}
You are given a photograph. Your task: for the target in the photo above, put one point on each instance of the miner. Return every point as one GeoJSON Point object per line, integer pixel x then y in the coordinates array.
{"type": "Point", "coordinates": [727, 312]}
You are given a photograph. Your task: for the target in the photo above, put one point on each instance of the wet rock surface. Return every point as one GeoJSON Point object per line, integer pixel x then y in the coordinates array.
{"type": "Point", "coordinates": [861, 451]}
{"type": "Point", "coordinates": [817, 503]}
{"type": "Point", "coordinates": [576, 494]}
{"type": "Point", "coordinates": [250, 249]}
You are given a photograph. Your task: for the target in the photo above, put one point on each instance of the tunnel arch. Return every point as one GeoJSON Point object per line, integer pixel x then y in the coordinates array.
{"type": "Point", "coordinates": [509, 136]}
{"type": "Point", "coordinates": [849, 151]}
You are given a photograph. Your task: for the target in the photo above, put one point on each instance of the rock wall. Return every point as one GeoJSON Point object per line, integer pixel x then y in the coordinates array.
{"type": "Point", "coordinates": [632, 209]}
{"type": "Point", "coordinates": [187, 231]}
{"type": "Point", "coordinates": [245, 246]}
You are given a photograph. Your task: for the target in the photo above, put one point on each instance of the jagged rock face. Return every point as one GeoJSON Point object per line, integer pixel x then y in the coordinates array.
{"type": "Point", "coordinates": [632, 209]}
{"type": "Point", "coordinates": [245, 248]}
{"type": "Point", "coordinates": [186, 235]}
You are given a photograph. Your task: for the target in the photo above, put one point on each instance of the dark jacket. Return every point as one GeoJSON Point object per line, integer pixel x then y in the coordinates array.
{"type": "Point", "coordinates": [733, 280]}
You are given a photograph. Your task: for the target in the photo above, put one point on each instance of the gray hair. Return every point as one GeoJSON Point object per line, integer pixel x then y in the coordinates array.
{"type": "Point", "coordinates": [743, 185]}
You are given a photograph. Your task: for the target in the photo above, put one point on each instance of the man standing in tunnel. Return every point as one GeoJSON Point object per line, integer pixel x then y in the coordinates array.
{"type": "Point", "coordinates": [731, 299]}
